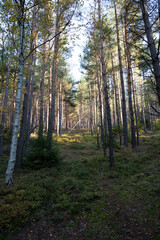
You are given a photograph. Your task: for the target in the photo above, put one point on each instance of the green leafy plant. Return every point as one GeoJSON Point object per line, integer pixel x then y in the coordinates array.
{"type": "Point", "coordinates": [40, 156]}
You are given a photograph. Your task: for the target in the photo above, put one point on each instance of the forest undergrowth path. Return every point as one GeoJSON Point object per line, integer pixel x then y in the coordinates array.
{"type": "Point", "coordinates": [101, 203]}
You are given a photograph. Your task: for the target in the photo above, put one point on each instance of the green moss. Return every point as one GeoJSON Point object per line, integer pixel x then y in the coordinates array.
{"type": "Point", "coordinates": [86, 186]}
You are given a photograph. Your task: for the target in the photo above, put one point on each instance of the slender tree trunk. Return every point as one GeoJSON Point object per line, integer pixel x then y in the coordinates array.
{"type": "Point", "coordinates": [13, 104]}
{"type": "Point", "coordinates": [32, 84]}
{"type": "Point", "coordinates": [58, 113]}
{"type": "Point", "coordinates": [142, 103]}
{"type": "Point", "coordinates": [60, 108]}
{"type": "Point", "coordinates": [21, 138]}
{"type": "Point", "coordinates": [12, 159]}
{"type": "Point", "coordinates": [91, 109]}
{"type": "Point", "coordinates": [34, 117]}
{"type": "Point", "coordinates": [41, 117]}
{"type": "Point", "coordinates": [111, 156]}
{"type": "Point", "coordinates": [66, 111]}
{"type": "Point", "coordinates": [151, 45]}
{"type": "Point", "coordinates": [113, 108]}
{"type": "Point", "coordinates": [116, 101]}
{"type": "Point", "coordinates": [30, 103]}
{"type": "Point", "coordinates": [124, 111]}
{"type": "Point", "coordinates": [129, 72]}
{"type": "Point", "coordinates": [23, 126]}
{"type": "Point", "coordinates": [148, 115]}
{"type": "Point", "coordinates": [135, 108]}
{"type": "Point", "coordinates": [99, 93]}
{"type": "Point", "coordinates": [54, 73]}
{"type": "Point", "coordinates": [5, 102]}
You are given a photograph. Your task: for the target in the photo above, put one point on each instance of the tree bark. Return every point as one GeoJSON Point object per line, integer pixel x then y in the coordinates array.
{"type": "Point", "coordinates": [91, 108]}
{"type": "Point", "coordinates": [21, 139]}
{"type": "Point", "coordinates": [111, 156]}
{"type": "Point", "coordinates": [13, 104]}
{"type": "Point", "coordinates": [124, 111]}
{"type": "Point", "coordinates": [116, 101]}
{"type": "Point", "coordinates": [142, 103]}
{"type": "Point", "coordinates": [35, 40]}
{"type": "Point", "coordinates": [152, 47]}
{"type": "Point", "coordinates": [129, 72]}
{"type": "Point", "coordinates": [5, 102]}
{"type": "Point", "coordinates": [60, 108]}
{"type": "Point", "coordinates": [12, 159]}
{"type": "Point", "coordinates": [99, 92]}
{"type": "Point", "coordinates": [40, 131]}
{"type": "Point", "coordinates": [51, 123]}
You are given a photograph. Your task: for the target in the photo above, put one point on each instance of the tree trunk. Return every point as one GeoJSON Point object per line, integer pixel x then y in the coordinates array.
{"type": "Point", "coordinates": [32, 84]}
{"type": "Point", "coordinates": [23, 124]}
{"type": "Point", "coordinates": [66, 112]}
{"type": "Point", "coordinates": [99, 93]}
{"type": "Point", "coordinates": [116, 101]}
{"type": "Point", "coordinates": [54, 73]}
{"type": "Point", "coordinates": [5, 102]}
{"type": "Point", "coordinates": [129, 72]}
{"type": "Point", "coordinates": [111, 156]}
{"type": "Point", "coordinates": [151, 45]}
{"type": "Point", "coordinates": [13, 104]}
{"type": "Point", "coordinates": [21, 138]}
{"type": "Point", "coordinates": [40, 131]}
{"type": "Point", "coordinates": [60, 108]}
{"type": "Point", "coordinates": [124, 111]}
{"type": "Point", "coordinates": [91, 109]}
{"type": "Point", "coordinates": [12, 159]}
{"type": "Point", "coordinates": [142, 103]}
{"type": "Point", "coordinates": [135, 107]}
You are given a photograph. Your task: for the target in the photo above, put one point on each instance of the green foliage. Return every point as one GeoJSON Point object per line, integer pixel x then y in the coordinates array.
{"type": "Point", "coordinates": [40, 156]}
{"type": "Point", "coordinates": [77, 146]}
{"type": "Point", "coordinates": [7, 135]}
{"type": "Point", "coordinates": [86, 189]}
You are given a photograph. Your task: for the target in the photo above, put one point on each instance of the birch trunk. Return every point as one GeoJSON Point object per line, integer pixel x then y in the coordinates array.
{"type": "Point", "coordinates": [22, 136]}
{"type": "Point", "coordinates": [12, 159]}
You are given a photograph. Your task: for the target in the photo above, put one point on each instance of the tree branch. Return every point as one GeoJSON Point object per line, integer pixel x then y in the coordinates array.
{"type": "Point", "coordinates": [155, 110]}
{"type": "Point", "coordinates": [53, 36]}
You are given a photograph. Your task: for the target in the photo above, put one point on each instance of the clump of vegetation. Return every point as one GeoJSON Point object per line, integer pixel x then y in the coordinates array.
{"type": "Point", "coordinates": [40, 156]}
{"type": "Point", "coordinates": [111, 202]}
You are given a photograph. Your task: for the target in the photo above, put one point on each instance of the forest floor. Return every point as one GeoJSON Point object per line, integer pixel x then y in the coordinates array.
{"type": "Point", "coordinates": [84, 198]}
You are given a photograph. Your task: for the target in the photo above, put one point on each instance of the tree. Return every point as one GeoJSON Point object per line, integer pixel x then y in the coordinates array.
{"type": "Point", "coordinates": [111, 157]}
{"type": "Point", "coordinates": [151, 45]}
{"type": "Point", "coordinates": [124, 111]}
{"type": "Point", "coordinates": [129, 77]}
{"type": "Point", "coordinates": [11, 163]}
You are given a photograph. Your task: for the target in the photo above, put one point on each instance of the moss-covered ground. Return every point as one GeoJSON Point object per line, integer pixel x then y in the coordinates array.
{"type": "Point", "coordinates": [84, 198]}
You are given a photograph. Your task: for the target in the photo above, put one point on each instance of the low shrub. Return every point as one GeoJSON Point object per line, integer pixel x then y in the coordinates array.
{"type": "Point", "coordinates": [40, 156]}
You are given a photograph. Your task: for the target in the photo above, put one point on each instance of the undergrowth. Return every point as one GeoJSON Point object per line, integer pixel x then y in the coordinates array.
{"type": "Point", "coordinates": [88, 186]}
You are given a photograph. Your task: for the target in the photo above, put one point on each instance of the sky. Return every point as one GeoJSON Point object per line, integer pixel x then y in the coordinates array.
{"type": "Point", "coordinates": [79, 39]}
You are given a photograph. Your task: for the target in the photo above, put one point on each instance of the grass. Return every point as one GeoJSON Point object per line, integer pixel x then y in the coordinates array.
{"type": "Point", "coordinates": [111, 203]}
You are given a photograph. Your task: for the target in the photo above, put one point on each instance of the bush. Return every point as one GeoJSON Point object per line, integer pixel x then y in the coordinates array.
{"type": "Point", "coordinates": [40, 156]}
